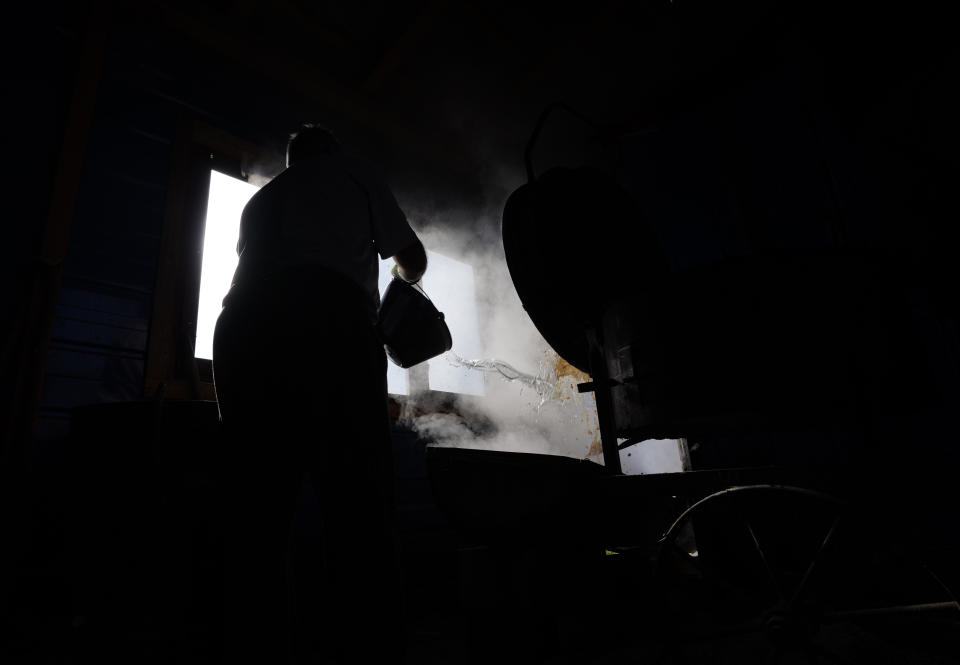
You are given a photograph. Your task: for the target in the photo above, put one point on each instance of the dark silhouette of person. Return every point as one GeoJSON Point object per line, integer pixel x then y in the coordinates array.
{"type": "Point", "coordinates": [301, 384]}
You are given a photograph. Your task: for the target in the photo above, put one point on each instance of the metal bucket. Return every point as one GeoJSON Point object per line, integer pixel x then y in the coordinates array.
{"type": "Point", "coordinates": [410, 326]}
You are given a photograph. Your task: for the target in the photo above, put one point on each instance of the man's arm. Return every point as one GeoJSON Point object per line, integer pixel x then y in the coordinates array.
{"type": "Point", "coordinates": [411, 261]}
{"type": "Point", "coordinates": [391, 229]}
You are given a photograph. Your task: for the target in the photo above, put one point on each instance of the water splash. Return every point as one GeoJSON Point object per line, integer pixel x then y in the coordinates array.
{"type": "Point", "coordinates": [541, 382]}
{"type": "Point", "coordinates": [564, 420]}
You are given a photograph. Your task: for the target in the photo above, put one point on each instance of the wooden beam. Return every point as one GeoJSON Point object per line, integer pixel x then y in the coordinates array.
{"type": "Point", "coordinates": [276, 65]}
{"type": "Point", "coordinates": [223, 142]}
{"type": "Point", "coordinates": [303, 21]}
{"type": "Point", "coordinates": [397, 54]}
{"type": "Point", "coordinates": [170, 364]}
{"type": "Point", "coordinates": [163, 340]}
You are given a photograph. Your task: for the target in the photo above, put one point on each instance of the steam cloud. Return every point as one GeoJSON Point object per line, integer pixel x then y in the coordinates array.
{"type": "Point", "coordinates": [543, 414]}
{"type": "Point", "coordinates": [550, 417]}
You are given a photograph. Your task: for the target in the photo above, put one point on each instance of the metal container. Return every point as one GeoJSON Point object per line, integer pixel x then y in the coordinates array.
{"type": "Point", "coordinates": [410, 326]}
{"type": "Point", "coordinates": [491, 490]}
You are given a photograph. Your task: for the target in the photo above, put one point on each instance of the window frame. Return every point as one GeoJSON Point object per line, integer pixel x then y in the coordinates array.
{"type": "Point", "coordinates": [171, 369]}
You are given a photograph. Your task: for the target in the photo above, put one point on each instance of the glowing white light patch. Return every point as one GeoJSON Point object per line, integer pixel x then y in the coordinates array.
{"type": "Point", "coordinates": [221, 230]}
{"type": "Point", "coordinates": [450, 285]}
{"type": "Point", "coordinates": [651, 456]}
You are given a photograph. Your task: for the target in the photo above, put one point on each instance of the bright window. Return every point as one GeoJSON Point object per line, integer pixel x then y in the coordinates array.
{"type": "Point", "coordinates": [449, 284]}
{"type": "Point", "coordinates": [221, 230]}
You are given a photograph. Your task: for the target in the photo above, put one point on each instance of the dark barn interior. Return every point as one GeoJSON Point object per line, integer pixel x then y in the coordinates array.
{"type": "Point", "coordinates": [736, 218]}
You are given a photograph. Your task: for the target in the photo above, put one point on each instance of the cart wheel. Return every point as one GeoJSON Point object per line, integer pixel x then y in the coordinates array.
{"type": "Point", "coordinates": [780, 574]}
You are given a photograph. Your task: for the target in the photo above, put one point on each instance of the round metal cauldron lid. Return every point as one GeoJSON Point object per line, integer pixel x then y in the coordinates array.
{"type": "Point", "coordinates": [574, 241]}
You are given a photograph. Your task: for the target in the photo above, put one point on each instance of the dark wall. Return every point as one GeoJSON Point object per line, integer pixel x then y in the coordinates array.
{"type": "Point", "coordinates": [823, 129]}
{"type": "Point", "coordinates": [42, 76]}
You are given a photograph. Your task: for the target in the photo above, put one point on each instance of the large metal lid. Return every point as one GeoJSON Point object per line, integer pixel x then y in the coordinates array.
{"type": "Point", "coordinates": [575, 241]}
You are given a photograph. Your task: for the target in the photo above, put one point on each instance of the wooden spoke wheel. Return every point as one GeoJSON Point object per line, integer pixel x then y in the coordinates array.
{"type": "Point", "coordinates": [779, 574]}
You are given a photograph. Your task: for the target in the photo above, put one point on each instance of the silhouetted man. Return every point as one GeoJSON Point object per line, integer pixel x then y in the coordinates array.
{"type": "Point", "coordinates": [301, 382]}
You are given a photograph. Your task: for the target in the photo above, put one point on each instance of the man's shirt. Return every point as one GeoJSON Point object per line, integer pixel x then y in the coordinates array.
{"type": "Point", "coordinates": [333, 211]}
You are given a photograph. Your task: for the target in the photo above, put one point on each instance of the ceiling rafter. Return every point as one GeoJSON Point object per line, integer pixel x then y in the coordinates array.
{"type": "Point", "coordinates": [403, 47]}
{"type": "Point", "coordinates": [235, 43]}
{"type": "Point", "coordinates": [307, 23]}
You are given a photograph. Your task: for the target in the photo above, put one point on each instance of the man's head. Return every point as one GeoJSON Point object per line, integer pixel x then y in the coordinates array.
{"type": "Point", "coordinates": [311, 140]}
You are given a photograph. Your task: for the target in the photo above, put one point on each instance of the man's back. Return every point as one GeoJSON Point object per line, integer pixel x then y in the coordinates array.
{"type": "Point", "coordinates": [331, 211]}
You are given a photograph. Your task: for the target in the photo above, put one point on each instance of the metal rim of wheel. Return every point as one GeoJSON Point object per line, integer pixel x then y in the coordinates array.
{"type": "Point", "coordinates": [791, 617]}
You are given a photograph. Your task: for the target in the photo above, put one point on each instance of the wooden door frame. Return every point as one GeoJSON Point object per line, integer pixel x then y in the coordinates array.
{"type": "Point", "coordinates": [197, 148]}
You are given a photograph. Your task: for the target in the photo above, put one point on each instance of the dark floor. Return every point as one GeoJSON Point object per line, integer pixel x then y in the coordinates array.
{"type": "Point", "coordinates": [466, 604]}
{"type": "Point", "coordinates": [112, 570]}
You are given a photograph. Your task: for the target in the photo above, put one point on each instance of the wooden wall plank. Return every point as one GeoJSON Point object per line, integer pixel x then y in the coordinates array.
{"type": "Point", "coordinates": [38, 321]}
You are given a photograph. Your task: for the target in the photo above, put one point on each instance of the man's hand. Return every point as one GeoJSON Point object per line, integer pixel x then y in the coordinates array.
{"type": "Point", "coordinates": [411, 263]}
{"type": "Point", "coordinates": [395, 271]}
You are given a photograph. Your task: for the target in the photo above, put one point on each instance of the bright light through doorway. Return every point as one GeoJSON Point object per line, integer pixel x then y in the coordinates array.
{"type": "Point", "coordinates": [449, 284]}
